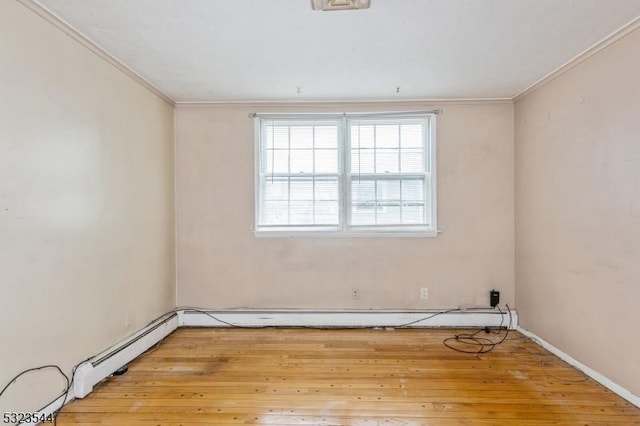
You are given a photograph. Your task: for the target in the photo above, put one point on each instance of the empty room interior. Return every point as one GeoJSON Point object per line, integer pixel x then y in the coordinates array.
{"type": "Point", "coordinates": [327, 212]}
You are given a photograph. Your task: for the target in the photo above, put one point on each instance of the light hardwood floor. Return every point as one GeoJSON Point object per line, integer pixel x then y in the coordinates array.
{"type": "Point", "coordinates": [346, 377]}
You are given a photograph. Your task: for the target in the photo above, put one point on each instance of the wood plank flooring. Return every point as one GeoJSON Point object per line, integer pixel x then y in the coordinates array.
{"type": "Point", "coordinates": [363, 377]}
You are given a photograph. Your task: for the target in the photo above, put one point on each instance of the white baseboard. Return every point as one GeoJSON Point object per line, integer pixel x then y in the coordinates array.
{"type": "Point", "coordinates": [612, 386]}
{"type": "Point", "coordinates": [296, 318]}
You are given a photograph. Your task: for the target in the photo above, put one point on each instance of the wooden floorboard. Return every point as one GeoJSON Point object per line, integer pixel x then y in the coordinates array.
{"type": "Point", "coordinates": [361, 377]}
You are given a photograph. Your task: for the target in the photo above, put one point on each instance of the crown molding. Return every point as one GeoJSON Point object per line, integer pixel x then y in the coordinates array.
{"type": "Point", "coordinates": [312, 103]}
{"type": "Point", "coordinates": [583, 56]}
{"type": "Point", "coordinates": [59, 23]}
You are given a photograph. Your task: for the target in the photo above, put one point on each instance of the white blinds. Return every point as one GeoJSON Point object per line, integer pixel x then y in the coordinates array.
{"type": "Point", "coordinates": [389, 172]}
{"type": "Point", "coordinates": [345, 173]}
{"type": "Point", "coordinates": [299, 171]}
{"type": "Point", "coordinates": [387, 148]}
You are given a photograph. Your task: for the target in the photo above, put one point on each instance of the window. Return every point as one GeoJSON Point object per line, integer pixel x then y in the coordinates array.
{"type": "Point", "coordinates": [346, 174]}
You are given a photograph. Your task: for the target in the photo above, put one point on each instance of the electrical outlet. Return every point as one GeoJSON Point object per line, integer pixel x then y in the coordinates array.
{"type": "Point", "coordinates": [355, 294]}
{"type": "Point", "coordinates": [424, 293]}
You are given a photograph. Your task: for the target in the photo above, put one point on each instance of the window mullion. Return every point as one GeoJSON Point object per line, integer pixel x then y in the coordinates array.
{"type": "Point", "coordinates": [400, 169]}
{"type": "Point", "coordinates": [289, 170]}
{"type": "Point", "coordinates": [401, 202]}
{"type": "Point", "coordinates": [375, 171]}
{"type": "Point", "coordinates": [313, 168]}
{"type": "Point", "coordinates": [344, 151]}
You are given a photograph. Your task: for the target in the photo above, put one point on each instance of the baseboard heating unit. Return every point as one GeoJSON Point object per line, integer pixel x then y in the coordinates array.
{"type": "Point", "coordinates": [93, 371]}
{"type": "Point", "coordinates": [477, 317]}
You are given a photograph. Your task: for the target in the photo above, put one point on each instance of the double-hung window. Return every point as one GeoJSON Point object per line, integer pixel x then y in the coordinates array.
{"type": "Point", "coordinates": [346, 174]}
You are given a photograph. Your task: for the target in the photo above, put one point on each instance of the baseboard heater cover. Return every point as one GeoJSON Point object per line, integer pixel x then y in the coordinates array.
{"type": "Point", "coordinates": [284, 318]}
{"type": "Point", "coordinates": [93, 371]}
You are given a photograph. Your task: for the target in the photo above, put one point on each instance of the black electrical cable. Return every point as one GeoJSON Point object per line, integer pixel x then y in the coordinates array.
{"type": "Point", "coordinates": [66, 392]}
{"type": "Point", "coordinates": [189, 308]}
{"type": "Point", "coordinates": [57, 368]}
{"type": "Point", "coordinates": [28, 370]}
{"type": "Point", "coordinates": [428, 317]}
{"type": "Point", "coordinates": [199, 310]}
{"type": "Point", "coordinates": [68, 384]}
{"type": "Point", "coordinates": [483, 344]}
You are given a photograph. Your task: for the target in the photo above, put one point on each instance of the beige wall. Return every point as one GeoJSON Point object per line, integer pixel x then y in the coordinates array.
{"type": "Point", "coordinates": [86, 205]}
{"type": "Point", "coordinates": [86, 212]}
{"type": "Point", "coordinates": [578, 211]}
{"type": "Point", "coordinates": [222, 265]}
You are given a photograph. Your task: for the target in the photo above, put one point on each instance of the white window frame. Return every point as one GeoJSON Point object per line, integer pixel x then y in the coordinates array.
{"type": "Point", "coordinates": [344, 228]}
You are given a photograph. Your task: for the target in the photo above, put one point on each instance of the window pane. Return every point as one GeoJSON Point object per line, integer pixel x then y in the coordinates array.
{"type": "Point", "coordinates": [275, 189]}
{"type": "Point", "coordinates": [388, 190]}
{"type": "Point", "coordinates": [412, 190]}
{"type": "Point", "coordinates": [299, 201]}
{"type": "Point", "coordinates": [276, 137]}
{"type": "Point", "coordinates": [412, 213]}
{"type": "Point", "coordinates": [392, 201]}
{"type": "Point", "coordinates": [277, 161]}
{"type": "Point", "coordinates": [326, 137]}
{"type": "Point", "coordinates": [363, 213]}
{"type": "Point", "coordinates": [326, 189]}
{"type": "Point", "coordinates": [363, 190]}
{"type": "Point", "coordinates": [301, 137]}
{"type": "Point", "coordinates": [387, 136]}
{"type": "Point", "coordinates": [326, 161]}
{"type": "Point", "coordinates": [301, 213]}
{"type": "Point", "coordinates": [362, 161]}
{"type": "Point", "coordinates": [302, 189]}
{"type": "Point", "coordinates": [301, 160]}
{"type": "Point", "coordinates": [362, 136]}
{"type": "Point", "coordinates": [411, 136]}
{"type": "Point", "coordinates": [274, 213]}
{"type": "Point", "coordinates": [387, 161]}
{"type": "Point", "coordinates": [411, 161]}
{"type": "Point", "coordinates": [388, 213]}
{"type": "Point", "coordinates": [327, 213]}
{"type": "Point", "coordinates": [413, 201]}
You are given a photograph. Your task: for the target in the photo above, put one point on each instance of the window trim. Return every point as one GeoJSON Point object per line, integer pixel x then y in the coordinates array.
{"type": "Point", "coordinates": [345, 229]}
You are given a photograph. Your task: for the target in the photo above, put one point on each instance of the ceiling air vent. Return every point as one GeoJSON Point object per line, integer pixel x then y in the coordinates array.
{"type": "Point", "coordinates": [339, 4]}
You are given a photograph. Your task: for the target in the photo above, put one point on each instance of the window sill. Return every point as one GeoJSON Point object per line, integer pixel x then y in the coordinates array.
{"type": "Point", "coordinates": [426, 233]}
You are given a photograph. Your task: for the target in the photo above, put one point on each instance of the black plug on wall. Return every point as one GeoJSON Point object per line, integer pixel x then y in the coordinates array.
{"type": "Point", "coordinates": [494, 298]}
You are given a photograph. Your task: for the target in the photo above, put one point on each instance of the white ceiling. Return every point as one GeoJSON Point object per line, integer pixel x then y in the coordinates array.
{"type": "Point", "coordinates": [264, 50]}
